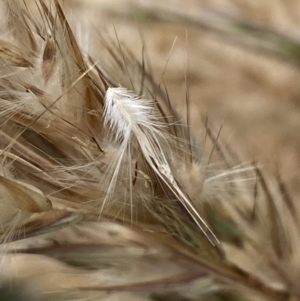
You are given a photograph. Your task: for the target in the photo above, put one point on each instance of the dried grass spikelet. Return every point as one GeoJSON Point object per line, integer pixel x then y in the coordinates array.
{"type": "Point", "coordinates": [105, 197]}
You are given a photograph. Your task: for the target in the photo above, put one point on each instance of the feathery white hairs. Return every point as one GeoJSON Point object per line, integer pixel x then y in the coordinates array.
{"type": "Point", "coordinates": [129, 116]}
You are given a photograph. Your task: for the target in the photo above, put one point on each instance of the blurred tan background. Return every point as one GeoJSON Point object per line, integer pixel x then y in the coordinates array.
{"type": "Point", "coordinates": [255, 93]}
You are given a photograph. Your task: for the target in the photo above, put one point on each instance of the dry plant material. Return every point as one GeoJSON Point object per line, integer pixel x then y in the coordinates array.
{"type": "Point", "coordinates": [104, 194]}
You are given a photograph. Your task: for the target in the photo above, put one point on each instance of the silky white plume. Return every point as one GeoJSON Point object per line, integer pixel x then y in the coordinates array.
{"type": "Point", "coordinates": [129, 116]}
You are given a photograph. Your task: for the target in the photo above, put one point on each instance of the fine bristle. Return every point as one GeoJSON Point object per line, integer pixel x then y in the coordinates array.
{"type": "Point", "coordinates": [105, 193]}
